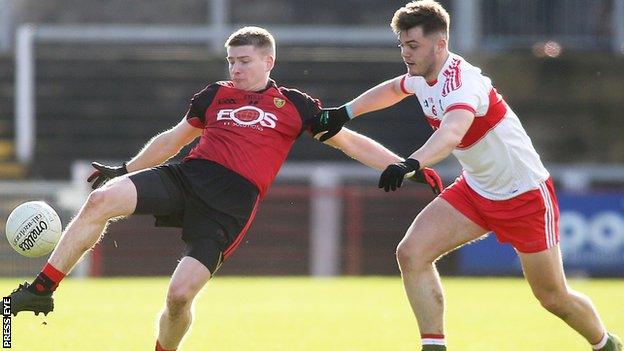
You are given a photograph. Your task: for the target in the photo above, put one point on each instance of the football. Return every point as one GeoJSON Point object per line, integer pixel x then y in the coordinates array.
{"type": "Point", "coordinates": [33, 229]}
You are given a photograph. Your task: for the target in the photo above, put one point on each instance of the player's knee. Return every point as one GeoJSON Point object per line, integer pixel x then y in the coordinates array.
{"type": "Point", "coordinates": [95, 203]}
{"type": "Point", "coordinates": [179, 298]}
{"type": "Point", "coordinates": [409, 258]}
{"type": "Point", "coordinates": [99, 204]}
{"type": "Point", "coordinates": [554, 301]}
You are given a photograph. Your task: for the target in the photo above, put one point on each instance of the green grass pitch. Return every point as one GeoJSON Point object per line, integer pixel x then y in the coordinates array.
{"type": "Point", "coordinates": [273, 314]}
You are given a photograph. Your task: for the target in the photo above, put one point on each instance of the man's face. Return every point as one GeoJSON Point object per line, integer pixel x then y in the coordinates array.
{"type": "Point", "coordinates": [418, 51]}
{"type": "Point", "coordinates": [249, 67]}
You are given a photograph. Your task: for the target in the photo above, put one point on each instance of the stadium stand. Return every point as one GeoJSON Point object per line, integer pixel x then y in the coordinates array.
{"type": "Point", "coordinates": [115, 99]}
{"type": "Point", "coordinates": [9, 169]}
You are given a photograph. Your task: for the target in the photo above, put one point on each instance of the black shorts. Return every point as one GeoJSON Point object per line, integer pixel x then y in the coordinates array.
{"type": "Point", "coordinates": [213, 205]}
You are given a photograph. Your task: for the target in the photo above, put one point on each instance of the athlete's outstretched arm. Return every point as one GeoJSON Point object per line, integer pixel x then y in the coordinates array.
{"type": "Point", "coordinates": [363, 149]}
{"type": "Point", "coordinates": [164, 146]}
{"type": "Point", "coordinates": [379, 97]}
{"type": "Point", "coordinates": [454, 126]}
{"type": "Point", "coordinates": [443, 141]}
{"type": "Point", "coordinates": [385, 94]}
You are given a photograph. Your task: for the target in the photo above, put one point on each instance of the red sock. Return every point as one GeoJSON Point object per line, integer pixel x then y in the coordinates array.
{"type": "Point", "coordinates": [54, 274]}
{"type": "Point", "coordinates": [160, 348]}
{"type": "Point", "coordinates": [48, 280]}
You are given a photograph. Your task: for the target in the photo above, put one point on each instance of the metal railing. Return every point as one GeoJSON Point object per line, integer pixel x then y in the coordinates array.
{"type": "Point", "coordinates": [328, 211]}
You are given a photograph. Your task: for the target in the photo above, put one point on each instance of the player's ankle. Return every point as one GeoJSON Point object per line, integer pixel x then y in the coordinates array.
{"type": "Point", "coordinates": [160, 348]}
{"type": "Point", "coordinates": [433, 342]}
{"type": "Point", "coordinates": [434, 348]}
{"type": "Point", "coordinates": [47, 281]}
{"type": "Point", "coordinates": [600, 345]}
{"type": "Point", "coordinates": [607, 343]}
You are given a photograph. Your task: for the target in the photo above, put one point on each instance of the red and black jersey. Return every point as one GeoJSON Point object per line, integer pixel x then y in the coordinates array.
{"type": "Point", "coordinates": [249, 132]}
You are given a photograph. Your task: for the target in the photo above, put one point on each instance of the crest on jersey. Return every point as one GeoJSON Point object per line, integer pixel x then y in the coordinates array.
{"type": "Point", "coordinates": [279, 103]}
{"type": "Point", "coordinates": [452, 77]}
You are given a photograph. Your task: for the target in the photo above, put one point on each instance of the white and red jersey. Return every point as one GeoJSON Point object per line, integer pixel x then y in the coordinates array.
{"type": "Point", "coordinates": [498, 159]}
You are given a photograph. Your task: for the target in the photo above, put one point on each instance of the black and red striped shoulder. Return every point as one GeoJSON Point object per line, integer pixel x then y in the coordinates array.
{"type": "Point", "coordinates": [196, 114]}
{"type": "Point", "coordinates": [307, 106]}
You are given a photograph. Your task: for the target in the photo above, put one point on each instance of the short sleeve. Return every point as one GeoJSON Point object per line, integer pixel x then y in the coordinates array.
{"type": "Point", "coordinates": [467, 92]}
{"type": "Point", "coordinates": [408, 84]}
{"type": "Point", "coordinates": [307, 106]}
{"type": "Point", "coordinates": [196, 113]}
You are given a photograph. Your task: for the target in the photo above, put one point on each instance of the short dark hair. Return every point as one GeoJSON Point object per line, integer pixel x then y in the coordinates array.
{"type": "Point", "coordinates": [428, 14]}
{"type": "Point", "coordinates": [257, 37]}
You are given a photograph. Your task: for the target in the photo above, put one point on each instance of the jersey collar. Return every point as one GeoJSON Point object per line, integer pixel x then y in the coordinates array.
{"type": "Point", "coordinates": [270, 84]}
{"type": "Point", "coordinates": [442, 69]}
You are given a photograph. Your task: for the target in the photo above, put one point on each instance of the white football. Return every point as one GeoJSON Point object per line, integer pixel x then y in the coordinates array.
{"type": "Point", "coordinates": [33, 229]}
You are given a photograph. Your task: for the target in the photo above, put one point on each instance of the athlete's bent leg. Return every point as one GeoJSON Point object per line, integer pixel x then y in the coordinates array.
{"type": "Point", "coordinates": [116, 198]}
{"type": "Point", "coordinates": [438, 229]}
{"type": "Point", "coordinates": [175, 320]}
{"type": "Point", "coordinates": [544, 272]}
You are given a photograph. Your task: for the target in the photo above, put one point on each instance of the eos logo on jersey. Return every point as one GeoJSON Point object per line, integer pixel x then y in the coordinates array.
{"type": "Point", "coordinates": [248, 116]}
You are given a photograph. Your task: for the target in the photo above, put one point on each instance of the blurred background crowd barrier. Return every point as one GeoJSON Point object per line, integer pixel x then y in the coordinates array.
{"type": "Point", "coordinates": [94, 80]}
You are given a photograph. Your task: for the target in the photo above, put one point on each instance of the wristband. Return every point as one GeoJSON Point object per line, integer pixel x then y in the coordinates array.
{"type": "Point", "coordinates": [349, 111]}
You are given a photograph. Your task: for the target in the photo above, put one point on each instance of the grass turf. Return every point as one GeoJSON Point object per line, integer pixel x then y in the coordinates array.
{"type": "Point", "coordinates": [257, 314]}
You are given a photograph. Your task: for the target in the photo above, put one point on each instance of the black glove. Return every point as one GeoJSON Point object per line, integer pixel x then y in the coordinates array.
{"type": "Point", "coordinates": [392, 177]}
{"type": "Point", "coordinates": [330, 120]}
{"type": "Point", "coordinates": [103, 174]}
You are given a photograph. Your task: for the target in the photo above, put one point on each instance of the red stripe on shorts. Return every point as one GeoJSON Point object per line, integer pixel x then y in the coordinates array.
{"type": "Point", "coordinates": [549, 216]}
{"type": "Point", "coordinates": [230, 249]}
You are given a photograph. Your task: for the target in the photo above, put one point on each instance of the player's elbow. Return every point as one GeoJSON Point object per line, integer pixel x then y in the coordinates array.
{"type": "Point", "coordinates": [452, 137]}
{"type": "Point", "coordinates": [455, 140]}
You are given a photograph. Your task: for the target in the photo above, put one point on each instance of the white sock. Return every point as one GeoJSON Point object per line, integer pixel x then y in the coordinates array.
{"type": "Point", "coordinates": [602, 343]}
